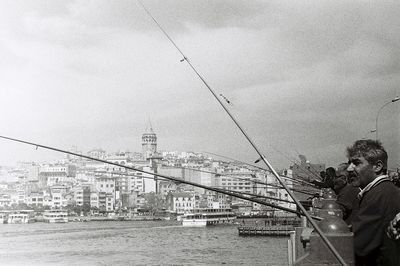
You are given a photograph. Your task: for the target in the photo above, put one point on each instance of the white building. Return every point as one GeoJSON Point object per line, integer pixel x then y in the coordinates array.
{"type": "Point", "coordinates": [180, 202]}
{"type": "Point", "coordinates": [237, 181]}
{"type": "Point", "coordinates": [105, 184]}
{"type": "Point", "coordinates": [58, 199]}
{"type": "Point", "coordinates": [94, 199]}
{"type": "Point", "coordinates": [110, 202]}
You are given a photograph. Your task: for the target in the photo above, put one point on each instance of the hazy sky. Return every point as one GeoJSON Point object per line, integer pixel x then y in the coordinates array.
{"type": "Point", "coordinates": [303, 77]}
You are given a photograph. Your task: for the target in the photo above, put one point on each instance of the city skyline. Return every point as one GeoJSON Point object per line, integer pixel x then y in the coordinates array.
{"type": "Point", "coordinates": [302, 78]}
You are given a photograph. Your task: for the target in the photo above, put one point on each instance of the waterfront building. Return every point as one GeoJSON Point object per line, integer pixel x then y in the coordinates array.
{"type": "Point", "coordinates": [110, 202]}
{"type": "Point", "coordinates": [105, 183]}
{"type": "Point", "coordinates": [181, 202]}
{"type": "Point", "coordinates": [102, 201]}
{"type": "Point", "coordinates": [58, 193]}
{"type": "Point", "coordinates": [35, 199]}
{"type": "Point", "coordinates": [94, 199]}
{"type": "Point", "coordinates": [305, 170]}
{"type": "Point", "coordinates": [47, 199]}
{"type": "Point", "coordinates": [82, 195]}
{"type": "Point", "coordinates": [21, 196]}
{"type": "Point", "coordinates": [85, 176]}
{"type": "Point", "coordinates": [150, 184]}
{"type": "Point", "coordinates": [239, 181]}
{"type": "Point", "coordinates": [52, 174]}
{"type": "Point", "coordinates": [134, 182]}
{"type": "Point", "coordinates": [5, 200]}
{"type": "Point", "coordinates": [212, 200]}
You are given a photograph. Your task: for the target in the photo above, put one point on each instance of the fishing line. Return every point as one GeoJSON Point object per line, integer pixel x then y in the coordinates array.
{"type": "Point", "coordinates": [299, 205]}
{"type": "Point", "coordinates": [303, 182]}
{"type": "Point", "coordinates": [154, 174]}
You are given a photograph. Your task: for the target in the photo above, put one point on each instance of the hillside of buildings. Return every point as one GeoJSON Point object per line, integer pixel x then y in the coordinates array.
{"type": "Point", "coordinates": [91, 187]}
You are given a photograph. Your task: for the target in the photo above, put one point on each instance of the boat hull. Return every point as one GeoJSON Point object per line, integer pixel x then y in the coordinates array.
{"type": "Point", "coordinates": [58, 220]}
{"type": "Point", "coordinates": [194, 222]}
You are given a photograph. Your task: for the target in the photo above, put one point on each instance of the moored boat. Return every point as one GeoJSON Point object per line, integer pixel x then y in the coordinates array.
{"type": "Point", "coordinates": [4, 217]}
{"type": "Point", "coordinates": [20, 217]}
{"type": "Point", "coordinates": [55, 216]}
{"type": "Point", "coordinates": [204, 217]}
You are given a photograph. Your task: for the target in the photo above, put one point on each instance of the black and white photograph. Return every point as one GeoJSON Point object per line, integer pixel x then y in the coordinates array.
{"type": "Point", "coordinates": [199, 132]}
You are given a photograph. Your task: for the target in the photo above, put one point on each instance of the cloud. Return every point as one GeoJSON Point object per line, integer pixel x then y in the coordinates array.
{"type": "Point", "coordinates": [309, 73]}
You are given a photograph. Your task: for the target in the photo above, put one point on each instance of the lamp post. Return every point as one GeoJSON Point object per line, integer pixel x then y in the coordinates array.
{"type": "Point", "coordinates": [377, 116]}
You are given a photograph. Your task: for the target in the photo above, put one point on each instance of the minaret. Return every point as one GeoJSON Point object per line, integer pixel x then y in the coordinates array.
{"type": "Point", "coordinates": [149, 143]}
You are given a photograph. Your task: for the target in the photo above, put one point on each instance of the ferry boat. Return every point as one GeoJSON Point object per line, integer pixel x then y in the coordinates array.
{"type": "Point", "coordinates": [4, 217]}
{"type": "Point", "coordinates": [21, 217]}
{"type": "Point", "coordinates": [204, 217]}
{"type": "Point", "coordinates": [55, 216]}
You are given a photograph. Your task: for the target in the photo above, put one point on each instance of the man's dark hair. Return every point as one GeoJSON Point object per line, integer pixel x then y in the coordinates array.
{"type": "Point", "coordinates": [330, 172]}
{"type": "Point", "coordinates": [371, 150]}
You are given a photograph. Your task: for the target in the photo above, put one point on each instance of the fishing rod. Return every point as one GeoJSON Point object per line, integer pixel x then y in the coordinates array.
{"type": "Point", "coordinates": [233, 191]}
{"type": "Point", "coordinates": [310, 193]}
{"type": "Point", "coordinates": [303, 182]}
{"type": "Point", "coordinates": [258, 196]}
{"type": "Point", "coordinates": [272, 185]}
{"type": "Point", "coordinates": [158, 175]}
{"type": "Point", "coordinates": [298, 182]}
{"type": "Point", "coordinates": [315, 175]}
{"type": "Point", "coordinates": [299, 205]}
{"type": "Point", "coordinates": [238, 178]}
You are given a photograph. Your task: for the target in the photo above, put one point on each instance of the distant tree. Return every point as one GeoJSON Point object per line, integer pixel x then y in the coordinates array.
{"type": "Point", "coordinates": [22, 206]}
{"type": "Point", "coordinates": [154, 202]}
{"type": "Point", "coordinates": [86, 208]}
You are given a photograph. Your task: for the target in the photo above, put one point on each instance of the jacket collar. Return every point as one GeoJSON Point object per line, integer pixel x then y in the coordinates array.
{"type": "Point", "coordinates": [374, 183]}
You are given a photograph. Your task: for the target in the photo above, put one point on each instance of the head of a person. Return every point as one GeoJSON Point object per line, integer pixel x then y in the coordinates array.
{"type": "Point", "coordinates": [330, 172]}
{"type": "Point", "coordinates": [322, 174]}
{"type": "Point", "coordinates": [368, 160]}
{"type": "Point", "coordinates": [342, 177]}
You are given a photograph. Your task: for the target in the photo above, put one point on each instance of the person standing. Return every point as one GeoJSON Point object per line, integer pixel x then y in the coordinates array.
{"type": "Point", "coordinates": [346, 193]}
{"type": "Point", "coordinates": [378, 205]}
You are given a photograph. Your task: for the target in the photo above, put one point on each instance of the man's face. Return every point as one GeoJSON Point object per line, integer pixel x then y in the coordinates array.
{"type": "Point", "coordinates": [340, 180]}
{"type": "Point", "coordinates": [362, 171]}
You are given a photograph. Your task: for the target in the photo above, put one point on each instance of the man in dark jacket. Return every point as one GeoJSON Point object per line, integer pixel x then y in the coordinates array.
{"type": "Point", "coordinates": [346, 193]}
{"type": "Point", "coordinates": [379, 203]}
